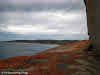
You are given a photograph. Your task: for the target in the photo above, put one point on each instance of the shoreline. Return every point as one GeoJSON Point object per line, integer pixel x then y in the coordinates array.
{"type": "Point", "coordinates": [49, 56]}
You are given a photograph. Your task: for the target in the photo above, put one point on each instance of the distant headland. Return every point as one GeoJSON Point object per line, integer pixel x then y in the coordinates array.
{"type": "Point", "coordinates": [62, 42]}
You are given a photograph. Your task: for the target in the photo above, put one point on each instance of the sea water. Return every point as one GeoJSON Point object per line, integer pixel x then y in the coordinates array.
{"type": "Point", "coordinates": [13, 49]}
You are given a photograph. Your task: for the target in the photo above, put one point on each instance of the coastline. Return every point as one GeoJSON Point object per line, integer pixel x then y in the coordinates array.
{"type": "Point", "coordinates": [50, 57]}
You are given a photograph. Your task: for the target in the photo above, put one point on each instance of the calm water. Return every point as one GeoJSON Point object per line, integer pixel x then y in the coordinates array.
{"type": "Point", "coordinates": [21, 49]}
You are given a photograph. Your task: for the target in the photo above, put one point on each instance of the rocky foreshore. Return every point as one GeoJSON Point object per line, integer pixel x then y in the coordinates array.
{"type": "Point", "coordinates": [69, 59]}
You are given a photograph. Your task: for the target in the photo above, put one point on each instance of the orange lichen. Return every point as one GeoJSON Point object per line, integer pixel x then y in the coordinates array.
{"type": "Point", "coordinates": [66, 54]}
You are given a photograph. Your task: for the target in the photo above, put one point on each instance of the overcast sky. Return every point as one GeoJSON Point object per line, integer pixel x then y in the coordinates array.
{"type": "Point", "coordinates": [43, 19]}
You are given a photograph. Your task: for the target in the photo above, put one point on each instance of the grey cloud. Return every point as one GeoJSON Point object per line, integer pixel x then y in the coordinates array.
{"type": "Point", "coordinates": [62, 15]}
{"type": "Point", "coordinates": [38, 5]}
{"type": "Point", "coordinates": [41, 18]}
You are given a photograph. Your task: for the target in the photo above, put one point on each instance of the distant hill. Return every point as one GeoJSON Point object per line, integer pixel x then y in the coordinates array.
{"type": "Point", "coordinates": [62, 42]}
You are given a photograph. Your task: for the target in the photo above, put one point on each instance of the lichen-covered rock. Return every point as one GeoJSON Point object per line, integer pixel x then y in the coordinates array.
{"type": "Point", "coordinates": [70, 59]}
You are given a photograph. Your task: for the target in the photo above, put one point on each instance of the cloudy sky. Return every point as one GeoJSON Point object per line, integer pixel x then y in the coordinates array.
{"type": "Point", "coordinates": [43, 20]}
